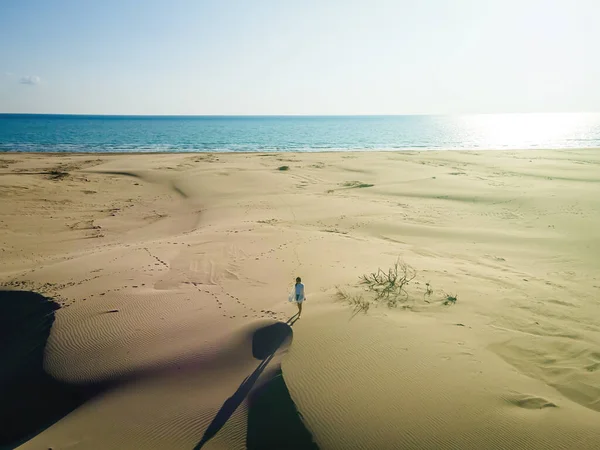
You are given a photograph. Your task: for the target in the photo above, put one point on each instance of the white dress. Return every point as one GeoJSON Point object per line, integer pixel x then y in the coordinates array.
{"type": "Point", "coordinates": [297, 294]}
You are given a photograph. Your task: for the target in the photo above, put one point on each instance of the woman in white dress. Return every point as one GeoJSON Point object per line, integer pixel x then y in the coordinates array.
{"type": "Point", "coordinates": [299, 295]}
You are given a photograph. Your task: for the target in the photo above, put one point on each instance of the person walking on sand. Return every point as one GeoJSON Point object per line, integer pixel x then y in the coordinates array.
{"type": "Point", "coordinates": [299, 295]}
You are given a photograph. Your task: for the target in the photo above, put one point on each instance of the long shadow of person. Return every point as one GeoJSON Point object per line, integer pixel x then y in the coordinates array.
{"type": "Point", "coordinates": [265, 343]}
{"type": "Point", "coordinates": [32, 400]}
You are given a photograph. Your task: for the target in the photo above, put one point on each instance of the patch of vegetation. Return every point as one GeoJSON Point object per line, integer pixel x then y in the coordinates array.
{"type": "Point", "coordinates": [356, 184]}
{"type": "Point", "coordinates": [356, 301]}
{"type": "Point", "coordinates": [205, 157]}
{"type": "Point", "coordinates": [57, 175]}
{"type": "Point", "coordinates": [390, 286]}
{"type": "Point", "coordinates": [283, 168]}
{"type": "Point", "coordinates": [334, 230]}
{"type": "Point", "coordinates": [450, 299]}
{"type": "Point", "coordinates": [330, 191]}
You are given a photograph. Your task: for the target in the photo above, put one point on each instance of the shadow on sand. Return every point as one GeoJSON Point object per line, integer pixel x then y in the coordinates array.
{"type": "Point", "coordinates": [31, 400]}
{"type": "Point", "coordinates": [273, 420]}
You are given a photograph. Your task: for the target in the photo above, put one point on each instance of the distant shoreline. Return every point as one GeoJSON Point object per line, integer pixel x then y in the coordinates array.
{"type": "Point", "coordinates": [296, 153]}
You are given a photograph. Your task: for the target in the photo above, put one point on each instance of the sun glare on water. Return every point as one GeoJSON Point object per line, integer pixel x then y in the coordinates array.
{"type": "Point", "coordinates": [519, 131]}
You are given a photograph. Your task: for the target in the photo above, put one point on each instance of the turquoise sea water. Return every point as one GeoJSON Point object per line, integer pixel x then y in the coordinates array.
{"type": "Point", "coordinates": [64, 133]}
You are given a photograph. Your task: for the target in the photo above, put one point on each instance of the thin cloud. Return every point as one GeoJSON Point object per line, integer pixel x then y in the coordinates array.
{"type": "Point", "coordinates": [31, 80]}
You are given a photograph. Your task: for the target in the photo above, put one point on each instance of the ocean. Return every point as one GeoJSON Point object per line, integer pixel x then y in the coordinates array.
{"type": "Point", "coordinates": [70, 133]}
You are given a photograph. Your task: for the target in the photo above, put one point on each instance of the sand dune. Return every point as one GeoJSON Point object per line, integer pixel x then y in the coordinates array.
{"type": "Point", "coordinates": [144, 300]}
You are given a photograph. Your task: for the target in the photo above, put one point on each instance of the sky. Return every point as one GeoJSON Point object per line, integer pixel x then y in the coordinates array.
{"type": "Point", "coordinates": [196, 57]}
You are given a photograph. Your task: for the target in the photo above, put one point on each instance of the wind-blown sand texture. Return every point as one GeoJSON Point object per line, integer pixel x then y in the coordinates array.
{"type": "Point", "coordinates": [144, 301]}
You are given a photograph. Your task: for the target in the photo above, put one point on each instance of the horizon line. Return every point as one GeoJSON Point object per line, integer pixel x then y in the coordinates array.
{"type": "Point", "coordinates": [284, 115]}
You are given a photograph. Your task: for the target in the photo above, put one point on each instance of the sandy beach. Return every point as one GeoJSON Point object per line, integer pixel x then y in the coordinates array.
{"type": "Point", "coordinates": [145, 300]}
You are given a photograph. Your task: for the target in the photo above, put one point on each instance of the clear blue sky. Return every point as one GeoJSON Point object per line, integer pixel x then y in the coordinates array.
{"type": "Point", "coordinates": [299, 57]}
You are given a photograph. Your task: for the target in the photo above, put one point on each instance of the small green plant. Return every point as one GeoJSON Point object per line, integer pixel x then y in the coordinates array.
{"type": "Point", "coordinates": [359, 304]}
{"type": "Point", "coordinates": [283, 168]}
{"type": "Point", "coordinates": [267, 221]}
{"type": "Point", "coordinates": [57, 174]}
{"type": "Point", "coordinates": [390, 286]}
{"type": "Point", "coordinates": [356, 301]}
{"type": "Point", "coordinates": [356, 184]}
{"type": "Point", "coordinates": [450, 299]}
